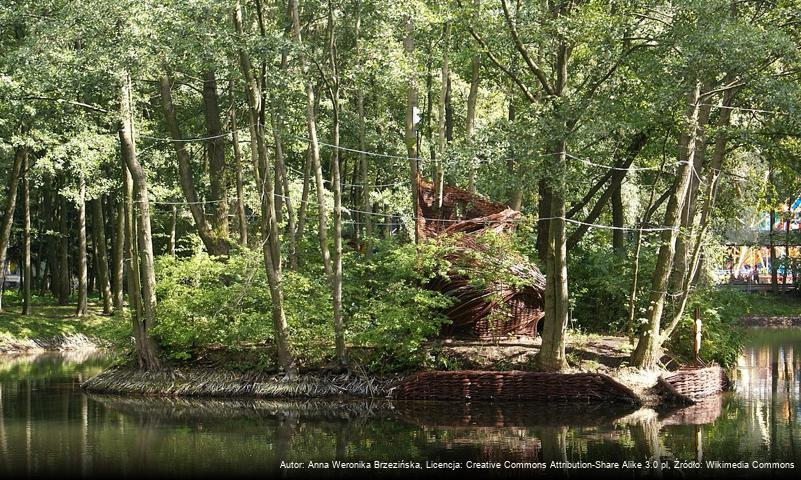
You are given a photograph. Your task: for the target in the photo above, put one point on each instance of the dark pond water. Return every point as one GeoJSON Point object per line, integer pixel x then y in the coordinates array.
{"type": "Point", "coordinates": [48, 427]}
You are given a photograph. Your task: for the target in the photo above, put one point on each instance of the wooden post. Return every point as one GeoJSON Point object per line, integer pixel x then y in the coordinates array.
{"type": "Point", "coordinates": [698, 328]}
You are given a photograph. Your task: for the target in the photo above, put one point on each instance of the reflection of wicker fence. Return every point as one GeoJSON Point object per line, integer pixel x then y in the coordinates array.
{"type": "Point", "coordinates": [690, 384]}
{"type": "Point", "coordinates": [498, 309]}
{"type": "Point", "coordinates": [512, 385]}
{"type": "Point", "coordinates": [704, 411]}
{"type": "Point", "coordinates": [449, 414]}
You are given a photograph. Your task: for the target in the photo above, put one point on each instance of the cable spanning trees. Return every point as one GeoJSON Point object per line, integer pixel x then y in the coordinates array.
{"type": "Point", "coordinates": [136, 130]}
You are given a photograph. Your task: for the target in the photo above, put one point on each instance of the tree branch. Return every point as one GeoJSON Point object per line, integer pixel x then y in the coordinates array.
{"type": "Point", "coordinates": [536, 70]}
{"type": "Point", "coordinates": [88, 106]}
{"type": "Point", "coordinates": [636, 145]}
{"type": "Point", "coordinates": [531, 98]}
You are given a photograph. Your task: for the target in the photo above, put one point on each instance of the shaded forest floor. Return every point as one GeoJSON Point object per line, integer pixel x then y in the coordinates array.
{"type": "Point", "coordinates": [585, 352]}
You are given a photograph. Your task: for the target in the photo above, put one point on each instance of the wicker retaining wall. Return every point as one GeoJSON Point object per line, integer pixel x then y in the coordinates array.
{"type": "Point", "coordinates": [691, 384]}
{"type": "Point", "coordinates": [771, 321]}
{"type": "Point", "coordinates": [512, 385]}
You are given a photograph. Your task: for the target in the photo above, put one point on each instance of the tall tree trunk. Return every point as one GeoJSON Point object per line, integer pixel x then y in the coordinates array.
{"type": "Point", "coordinates": [278, 187]}
{"type": "Point", "coordinates": [42, 255]}
{"type": "Point", "coordinates": [364, 167]}
{"type": "Point", "coordinates": [146, 318]}
{"type": "Point", "coordinates": [336, 278]}
{"type": "Point", "coordinates": [272, 246]}
{"type": "Point", "coordinates": [429, 115]}
{"type": "Point", "coordinates": [91, 278]}
{"type": "Point", "coordinates": [647, 352]}
{"type": "Point", "coordinates": [218, 174]}
{"type": "Point", "coordinates": [307, 173]}
{"type": "Point", "coordinates": [314, 147]}
{"type": "Point", "coordinates": [366, 203]}
{"type": "Point", "coordinates": [472, 98]}
{"type": "Point", "coordinates": [27, 275]}
{"type": "Point", "coordinates": [131, 256]}
{"type": "Point", "coordinates": [46, 250]}
{"type": "Point", "coordinates": [411, 113]}
{"type": "Point", "coordinates": [282, 181]}
{"type": "Point", "coordinates": [240, 195]}
{"type": "Point", "coordinates": [713, 175]}
{"type": "Point", "coordinates": [688, 212]}
{"type": "Point", "coordinates": [304, 196]}
{"type": "Point", "coordinates": [118, 255]}
{"type": "Point", "coordinates": [443, 96]}
{"type": "Point", "coordinates": [214, 244]}
{"type": "Point", "coordinates": [20, 159]}
{"type": "Point", "coordinates": [551, 356]}
{"type": "Point", "coordinates": [65, 276]}
{"type": "Point", "coordinates": [618, 220]}
{"type": "Point", "coordinates": [99, 223]}
{"type": "Point", "coordinates": [82, 307]}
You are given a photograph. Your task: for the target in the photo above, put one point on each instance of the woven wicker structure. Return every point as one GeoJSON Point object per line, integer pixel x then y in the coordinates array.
{"type": "Point", "coordinates": [512, 385]}
{"type": "Point", "coordinates": [498, 309]}
{"type": "Point", "coordinates": [691, 384]}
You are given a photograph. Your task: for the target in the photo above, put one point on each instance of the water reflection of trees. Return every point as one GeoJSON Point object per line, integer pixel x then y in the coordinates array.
{"type": "Point", "coordinates": [768, 377]}
{"type": "Point", "coordinates": [759, 420]}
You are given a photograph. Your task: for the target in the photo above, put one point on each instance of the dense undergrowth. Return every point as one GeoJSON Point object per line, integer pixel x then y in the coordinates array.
{"type": "Point", "coordinates": [213, 309]}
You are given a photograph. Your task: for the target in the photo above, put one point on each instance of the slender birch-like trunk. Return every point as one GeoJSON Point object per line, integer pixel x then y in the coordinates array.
{"type": "Point", "coordinates": [443, 97]}
{"type": "Point", "coordinates": [144, 274]}
{"type": "Point", "coordinates": [82, 307]}
{"type": "Point", "coordinates": [27, 274]}
{"type": "Point", "coordinates": [269, 227]}
{"type": "Point", "coordinates": [410, 136]}
{"type": "Point", "coordinates": [20, 159]}
{"type": "Point", "coordinates": [118, 255]}
{"type": "Point", "coordinates": [98, 224]}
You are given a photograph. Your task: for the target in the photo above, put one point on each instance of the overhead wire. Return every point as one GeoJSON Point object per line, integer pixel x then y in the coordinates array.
{"type": "Point", "coordinates": [446, 220]}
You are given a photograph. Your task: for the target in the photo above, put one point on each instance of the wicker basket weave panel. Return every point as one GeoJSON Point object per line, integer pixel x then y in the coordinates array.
{"type": "Point", "coordinates": [512, 385]}
{"type": "Point", "coordinates": [690, 384]}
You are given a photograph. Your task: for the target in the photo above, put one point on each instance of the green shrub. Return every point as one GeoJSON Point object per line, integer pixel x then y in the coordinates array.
{"type": "Point", "coordinates": [225, 304]}
{"type": "Point", "coordinates": [205, 301]}
{"type": "Point", "coordinates": [722, 335]}
{"type": "Point", "coordinates": [389, 311]}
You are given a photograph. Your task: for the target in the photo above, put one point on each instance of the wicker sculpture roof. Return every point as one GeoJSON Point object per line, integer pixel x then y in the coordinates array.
{"type": "Point", "coordinates": [499, 308]}
{"type": "Point", "coordinates": [461, 211]}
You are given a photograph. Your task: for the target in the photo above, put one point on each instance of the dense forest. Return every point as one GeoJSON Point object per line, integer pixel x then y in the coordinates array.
{"type": "Point", "coordinates": [243, 174]}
